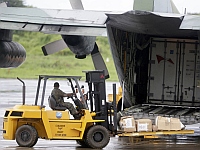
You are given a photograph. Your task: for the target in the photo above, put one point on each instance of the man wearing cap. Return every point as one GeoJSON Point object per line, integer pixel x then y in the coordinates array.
{"type": "Point", "coordinates": [59, 94]}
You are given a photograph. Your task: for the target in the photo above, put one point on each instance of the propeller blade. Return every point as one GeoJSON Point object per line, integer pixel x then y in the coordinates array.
{"type": "Point", "coordinates": [98, 61]}
{"type": "Point", "coordinates": [76, 4]}
{"type": "Point", "coordinates": [53, 47]}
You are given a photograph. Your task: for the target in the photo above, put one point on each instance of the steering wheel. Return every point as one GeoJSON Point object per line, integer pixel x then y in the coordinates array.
{"type": "Point", "coordinates": [73, 96]}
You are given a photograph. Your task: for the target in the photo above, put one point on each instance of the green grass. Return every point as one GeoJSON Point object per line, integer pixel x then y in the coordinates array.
{"type": "Point", "coordinates": [60, 63]}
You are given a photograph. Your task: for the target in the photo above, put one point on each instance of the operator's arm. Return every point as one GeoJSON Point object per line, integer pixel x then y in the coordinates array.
{"type": "Point", "coordinates": [63, 94]}
{"type": "Point", "coordinates": [68, 94]}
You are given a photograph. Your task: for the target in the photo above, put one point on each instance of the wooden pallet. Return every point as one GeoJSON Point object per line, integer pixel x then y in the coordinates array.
{"type": "Point", "coordinates": [154, 134]}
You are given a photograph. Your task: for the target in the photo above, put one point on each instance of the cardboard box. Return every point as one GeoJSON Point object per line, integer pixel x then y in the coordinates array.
{"type": "Point", "coordinates": [165, 123]}
{"type": "Point", "coordinates": [144, 125]}
{"type": "Point", "coordinates": [175, 124]}
{"type": "Point", "coordinates": [127, 124]}
{"type": "Point", "coordinates": [155, 128]}
{"type": "Point", "coordinates": [162, 123]}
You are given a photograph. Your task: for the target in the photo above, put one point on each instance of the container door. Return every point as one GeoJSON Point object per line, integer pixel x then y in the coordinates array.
{"type": "Point", "coordinates": [163, 70]}
{"type": "Point", "coordinates": [189, 88]}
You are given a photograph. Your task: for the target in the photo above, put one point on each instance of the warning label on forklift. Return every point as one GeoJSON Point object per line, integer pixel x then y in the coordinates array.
{"type": "Point", "coordinates": [59, 131]}
{"type": "Point", "coordinates": [60, 126]}
{"type": "Point", "coordinates": [60, 135]}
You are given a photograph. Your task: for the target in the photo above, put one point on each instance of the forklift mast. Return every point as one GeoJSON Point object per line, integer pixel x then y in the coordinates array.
{"type": "Point", "coordinates": [97, 97]}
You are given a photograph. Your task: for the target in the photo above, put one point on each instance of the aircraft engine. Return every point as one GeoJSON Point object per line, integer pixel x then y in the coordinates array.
{"type": "Point", "coordinates": [81, 46]}
{"type": "Point", "coordinates": [12, 54]}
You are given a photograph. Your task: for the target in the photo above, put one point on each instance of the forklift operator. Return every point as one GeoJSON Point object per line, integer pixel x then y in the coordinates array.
{"type": "Point", "coordinates": [58, 95]}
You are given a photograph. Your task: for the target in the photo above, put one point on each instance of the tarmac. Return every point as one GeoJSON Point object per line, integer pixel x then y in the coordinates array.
{"type": "Point", "coordinates": [125, 143]}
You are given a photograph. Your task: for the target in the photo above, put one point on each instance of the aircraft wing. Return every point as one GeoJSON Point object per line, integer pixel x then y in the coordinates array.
{"type": "Point", "coordinates": [191, 22]}
{"type": "Point", "coordinates": [65, 22]}
{"type": "Point", "coordinates": [152, 23]}
{"type": "Point", "coordinates": [92, 23]}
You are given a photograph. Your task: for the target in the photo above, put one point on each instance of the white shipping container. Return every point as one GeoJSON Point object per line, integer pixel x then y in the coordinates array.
{"type": "Point", "coordinates": [174, 71]}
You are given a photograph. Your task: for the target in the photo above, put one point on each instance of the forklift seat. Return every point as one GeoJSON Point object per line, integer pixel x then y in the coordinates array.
{"type": "Point", "coordinates": [53, 105]}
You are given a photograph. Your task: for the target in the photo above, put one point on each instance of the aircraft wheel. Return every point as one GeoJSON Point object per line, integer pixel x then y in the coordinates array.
{"type": "Point", "coordinates": [97, 137]}
{"type": "Point", "coordinates": [26, 136]}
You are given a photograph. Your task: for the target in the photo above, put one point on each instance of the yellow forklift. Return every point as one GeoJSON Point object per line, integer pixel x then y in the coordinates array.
{"type": "Point", "coordinates": [26, 123]}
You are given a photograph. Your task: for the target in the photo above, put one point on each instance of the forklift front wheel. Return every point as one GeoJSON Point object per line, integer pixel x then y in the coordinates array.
{"type": "Point", "coordinates": [82, 143]}
{"type": "Point", "coordinates": [97, 137]}
{"type": "Point", "coordinates": [26, 136]}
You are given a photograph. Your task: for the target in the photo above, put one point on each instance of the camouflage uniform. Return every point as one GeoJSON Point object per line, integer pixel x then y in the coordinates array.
{"type": "Point", "coordinates": [59, 94]}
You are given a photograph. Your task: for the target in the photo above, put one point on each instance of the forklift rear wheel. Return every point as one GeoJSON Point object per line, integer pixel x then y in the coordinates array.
{"type": "Point", "coordinates": [26, 136]}
{"type": "Point", "coordinates": [97, 137]}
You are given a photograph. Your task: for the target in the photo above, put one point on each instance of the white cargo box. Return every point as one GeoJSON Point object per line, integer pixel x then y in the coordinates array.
{"type": "Point", "coordinates": [144, 125]}
{"type": "Point", "coordinates": [127, 124]}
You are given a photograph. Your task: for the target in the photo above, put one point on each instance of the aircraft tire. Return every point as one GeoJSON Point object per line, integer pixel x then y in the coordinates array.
{"type": "Point", "coordinates": [97, 137]}
{"type": "Point", "coordinates": [26, 136]}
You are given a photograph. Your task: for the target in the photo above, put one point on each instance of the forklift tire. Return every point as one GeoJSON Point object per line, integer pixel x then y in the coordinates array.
{"type": "Point", "coordinates": [97, 137]}
{"type": "Point", "coordinates": [26, 136]}
{"type": "Point", "coordinates": [82, 143]}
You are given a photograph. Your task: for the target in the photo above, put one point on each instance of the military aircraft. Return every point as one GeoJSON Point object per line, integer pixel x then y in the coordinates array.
{"type": "Point", "coordinates": [131, 35]}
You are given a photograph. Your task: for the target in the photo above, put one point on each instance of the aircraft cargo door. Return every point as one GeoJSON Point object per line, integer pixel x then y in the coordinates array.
{"type": "Point", "coordinates": [174, 72]}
